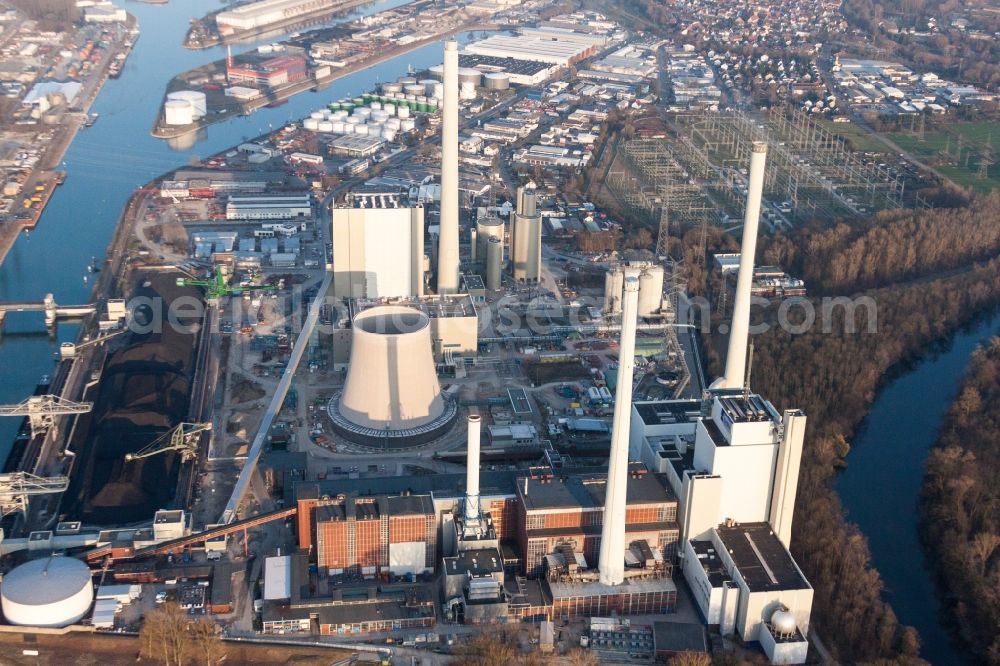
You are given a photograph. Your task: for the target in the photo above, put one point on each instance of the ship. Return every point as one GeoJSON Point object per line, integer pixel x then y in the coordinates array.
{"type": "Point", "coordinates": [23, 436]}
{"type": "Point", "coordinates": [91, 119]}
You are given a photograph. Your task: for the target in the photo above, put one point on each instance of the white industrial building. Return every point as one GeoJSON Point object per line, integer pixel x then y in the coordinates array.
{"type": "Point", "coordinates": [262, 13]}
{"type": "Point", "coordinates": [556, 47]}
{"type": "Point", "coordinates": [378, 247]}
{"type": "Point", "coordinates": [50, 592]}
{"type": "Point", "coordinates": [269, 207]}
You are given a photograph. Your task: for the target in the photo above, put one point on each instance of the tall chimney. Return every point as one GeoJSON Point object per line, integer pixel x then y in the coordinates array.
{"type": "Point", "coordinates": [736, 358]}
{"type": "Point", "coordinates": [612, 555]}
{"type": "Point", "coordinates": [447, 275]}
{"type": "Point", "coordinates": [472, 513]}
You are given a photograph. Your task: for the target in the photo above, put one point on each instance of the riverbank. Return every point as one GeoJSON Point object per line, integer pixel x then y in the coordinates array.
{"type": "Point", "coordinates": [283, 93]}
{"type": "Point", "coordinates": [44, 174]}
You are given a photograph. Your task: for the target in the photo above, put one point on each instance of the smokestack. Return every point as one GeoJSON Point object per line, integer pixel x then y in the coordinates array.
{"type": "Point", "coordinates": [736, 358]}
{"type": "Point", "coordinates": [612, 556]}
{"type": "Point", "coordinates": [447, 275]}
{"type": "Point", "coordinates": [472, 513]}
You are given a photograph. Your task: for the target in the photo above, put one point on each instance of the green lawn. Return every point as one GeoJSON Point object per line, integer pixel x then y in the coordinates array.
{"type": "Point", "coordinates": [932, 143]}
{"type": "Point", "coordinates": [978, 133]}
{"type": "Point", "coordinates": [965, 173]}
{"type": "Point", "coordinates": [858, 138]}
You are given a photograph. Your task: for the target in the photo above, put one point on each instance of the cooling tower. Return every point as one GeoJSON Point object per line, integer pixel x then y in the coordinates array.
{"type": "Point", "coordinates": [391, 396]}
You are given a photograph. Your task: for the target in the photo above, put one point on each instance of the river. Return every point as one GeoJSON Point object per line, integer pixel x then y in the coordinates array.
{"type": "Point", "coordinates": [108, 161]}
{"type": "Point", "coordinates": [881, 486]}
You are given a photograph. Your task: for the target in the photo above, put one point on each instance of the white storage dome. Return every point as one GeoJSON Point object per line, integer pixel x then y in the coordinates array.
{"type": "Point", "coordinates": [50, 592]}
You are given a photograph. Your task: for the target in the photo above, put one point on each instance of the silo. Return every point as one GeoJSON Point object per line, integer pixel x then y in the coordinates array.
{"type": "Point", "coordinates": [526, 248]}
{"type": "Point", "coordinates": [650, 290]}
{"type": "Point", "coordinates": [178, 112]}
{"type": "Point", "coordinates": [494, 262]}
{"type": "Point", "coordinates": [488, 227]}
{"type": "Point", "coordinates": [614, 284]}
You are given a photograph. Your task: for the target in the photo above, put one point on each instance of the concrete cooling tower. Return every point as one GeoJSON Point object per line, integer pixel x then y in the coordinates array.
{"type": "Point", "coordinates": [391, 398]}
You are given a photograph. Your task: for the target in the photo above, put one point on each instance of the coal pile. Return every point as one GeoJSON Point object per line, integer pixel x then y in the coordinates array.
{"type": "Point", "coordinates": [144, 391]}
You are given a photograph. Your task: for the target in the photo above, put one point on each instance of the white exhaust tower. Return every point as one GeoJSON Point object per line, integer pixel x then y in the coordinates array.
{"type": "Point", "coordinates": [472, 511]}
{"type": "Point", "coordinates": [736, 358]}
{"type": "Point", "coordinates": [447, 273]}
{"type": "Point", "coordinates": [612, 555]}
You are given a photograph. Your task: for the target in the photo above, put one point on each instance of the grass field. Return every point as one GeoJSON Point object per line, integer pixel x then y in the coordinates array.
{"type": "Point", "coordinates": [965, 172]}
{"type": "Point", "coordinates": [858, 138]}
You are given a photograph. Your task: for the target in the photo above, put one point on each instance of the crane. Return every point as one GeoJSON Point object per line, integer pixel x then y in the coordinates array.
{"type": "Point", "coordinates": [218, 285]}
{"type": "Point", "coordinates": [41, 410]}
{"type": "Point", "coordinates": [16, 487]}
{"type": "Point", "coordinates": [182, 438]}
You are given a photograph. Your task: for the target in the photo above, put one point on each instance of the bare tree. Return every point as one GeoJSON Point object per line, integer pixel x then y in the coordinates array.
{"type": "Point", "coordinates": [207, 642]}
{"type": "Point", "coordinates": [164, 636]}
{"type": "Point", "coordinates": [689, 658]}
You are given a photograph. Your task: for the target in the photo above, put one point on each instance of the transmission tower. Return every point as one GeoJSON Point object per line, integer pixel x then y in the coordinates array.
{"type": "Point", "coordinates": [41, 410]}
{"type": "Point", "coordinates": [663, 234]}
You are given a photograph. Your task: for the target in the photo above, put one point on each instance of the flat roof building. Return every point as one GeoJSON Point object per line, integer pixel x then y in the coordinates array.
{"type": "Point", "coordinates": [277, 207]}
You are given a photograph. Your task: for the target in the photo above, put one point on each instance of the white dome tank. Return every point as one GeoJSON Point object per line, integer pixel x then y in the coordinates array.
{"type": "Point", "coordinates": [407, 125]}
{"type": "Point", "coordinates": [337, 127]}
{"type": "Point", "coordinates": [325, 126]}
{"type": "Point", "coordinates": [178, 112]}
{"type": "Point", "coordinates": [467, 90]}
{"type": "Point", "coordinates": [428, 85]}
{"type": "Point", "coordinates": [318, 115]}
{"type": "Point", "coordinates": [375, 106]}
{"type": "Point", "coordinates": [389, 108]}
{"type": "Point", "coordinates": [361, 129]}
{"type": "Point", "coordinates": [389, 134]}
{"type": "Point", "coordinates": [438, 91]}
{"type": "Point", "coordinates": [403, 111]}
{"type": "Point", "coordinates": [51, 592]}
{"type": "Point", "coordinates": [310, 124]}
{"type": "Point", "coordinates": [393, 124]}
{"type": "Point", "coordinates": [414, 89]}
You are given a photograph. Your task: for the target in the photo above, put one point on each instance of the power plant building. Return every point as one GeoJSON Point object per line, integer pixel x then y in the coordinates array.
{"type": "Point", "coordinates": [378, 248]}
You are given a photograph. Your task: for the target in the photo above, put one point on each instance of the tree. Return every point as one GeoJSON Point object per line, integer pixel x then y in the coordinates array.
{"type": "Point", "coordinates": [208, 644]}
{"type": "Point", "coordinates": [689, 658]}
{"type": "Point", "coordinates": [164, 636]}
{"type": "Point", "coordinates": [493, 648]}
{"type": "Point", "coordinates": [581, 657]}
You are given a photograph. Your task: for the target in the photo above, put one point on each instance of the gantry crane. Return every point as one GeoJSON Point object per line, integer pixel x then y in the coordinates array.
{"type": "Point", "coordinates": [218, 285]}
{"type": "Point", "coordinates": [183, 438]}
{"type": "Point", "coordinates": [41, 410]}
{"type": "Point", "coordinates": [16, 487]}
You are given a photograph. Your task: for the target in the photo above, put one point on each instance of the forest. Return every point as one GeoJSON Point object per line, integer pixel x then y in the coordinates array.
{"type": "Point", "coordinates": [58, 15]}
{"type": "Point", "coordinates": [960, 505]}
{"type": "Point", "coordinates": [924, 292]}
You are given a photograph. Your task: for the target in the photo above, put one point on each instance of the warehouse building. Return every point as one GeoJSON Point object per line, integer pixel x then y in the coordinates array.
{"type": "Point", "coordinates": [269, 73]}
{"type": "Point", "coordinates": [356, 145]}
{"type": "Point", "coordinates": [278, 207]}
{"type": "Point", "coordinates": [555, 48]}
{"type": "Point", "coordinates": [257, 14]}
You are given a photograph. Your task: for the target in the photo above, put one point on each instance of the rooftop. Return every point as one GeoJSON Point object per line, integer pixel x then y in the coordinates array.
{"type": "Point", "coordinates": [667, 412]}
{"type": "Point", "coordinates": [762, 560]}
{"type": "Point", "coordinates": [548, 492]}
{"type": "Point", "coordinates": [478, 562]}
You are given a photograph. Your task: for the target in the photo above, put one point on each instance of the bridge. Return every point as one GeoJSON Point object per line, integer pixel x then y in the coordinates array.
{"type": "Point", "coordinates": [53, 311]}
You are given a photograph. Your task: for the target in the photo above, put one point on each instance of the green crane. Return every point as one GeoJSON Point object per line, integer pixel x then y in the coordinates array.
{"type": "Point", "coordinates": [218, 285]}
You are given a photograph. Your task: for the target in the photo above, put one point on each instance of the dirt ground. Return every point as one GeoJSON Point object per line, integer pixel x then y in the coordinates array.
{"type": "Point", "coordinates": [116, 650]}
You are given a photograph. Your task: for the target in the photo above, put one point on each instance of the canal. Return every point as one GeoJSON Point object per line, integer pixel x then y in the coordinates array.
{"type": "Point", "coordinates": [881, 486]}
{"type": "Point", "coordinates": [108, 161]}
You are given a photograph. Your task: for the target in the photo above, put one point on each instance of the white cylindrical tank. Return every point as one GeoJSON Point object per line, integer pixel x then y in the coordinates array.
{"type": "Point", "coordinates": [487, 228]}
{"type": "Point", "coordinates": [497, 80]}
{"type": "Point", "coordinates": [413, 89]}
{"type": "Point", "coordinates": [393, 124]}
{"type": "Point", "coordinates": [390, 88]}
{"type": "Point", "coordinates": [337, 127]}
{"type": "Point", "coordinates": [437, 71]}
{"type": "Point", "coordinates": [197, 100]}
{"type": "Point", "coordinates": [407, 125]}
{"type": "Point", "coordinates": [407, 81]}
{"type": "Point", "coordinates": [51, 592]}
{"type": "Point", "coordinates": [472, 468]}
{"type": "Point", "coordinates": [362, 113]}
{"type": "Point", "coordinates": [375, 106]}
{"type": "Point", "coordinates": [325, 126]}
{"type": "Point", "coordinates": [403, 111]}
{"type": "Point", "coordinates": [375, 129]}
{"type": "Point", "coordinates": [428, 85]}
{"type": "Point", "coordinates": [339, 115]}
{"type": "Point", "coordinates": [178, 112]}
{"type": "Point", "coordinates": [318, 115]}
{"type": "Point", "coordinates": [379, 116]}
{"type": "Point", "coordinates": [438, 92]}
{"type": "Point", "coordinates": [349, 126]}
{"type": "Point", "coordinates": [389, 134]}
{"type": "Point", "coordinates": [466, 90]}
{"type": "Point", "coordinates": [391, 380]}
{"type": "Point", "coordinates": [469, 75]}
{"type": "Point", "coordinates": [361, 129]}
{"type": "Point", "coordinates": [389, 108]}
{"type": "Point", "coordinates": [310, 124]}
{"type": "Point", "coordinates": [494, 263]}
{"type": "Point", "coordinates": [650, 290]}
{"type": "Point", "coordinates": [614, 281]}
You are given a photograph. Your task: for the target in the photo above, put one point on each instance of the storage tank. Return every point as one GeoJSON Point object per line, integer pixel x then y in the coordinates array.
{"type": "Point", "coordinates": [650, 290]}
{"type": "Point", "coordinates": [375, 129]}
{"type": "Point", "coordinates": [363, 113]}
{"type": "Point", "coordinates": [333, 106]}
{"type": "Point", "coordinates": [325, 126]}
{"type": "Point", "coordinates": [438, 92]}
{"type": "Point", "coordinates": [403, 112]}
{"type": "Point", "coordinates": [390, 88]}
{"type": "Point", "coordinates": [361, 129]}
{"type": "Point", "coordinates": [178, 112]}
{"type": "Point", "coordinates": [310, 124]}
{"type": "Point", "coordinates": [407, 125]}
{"type": "Point", "coordinates": [497, 81]}
{"type": "Point", "coordinates": [526, 248]}
{"type": "Point", "coordinates": [494, 262]}
{"type": "Point", "coordinates": [389, 108]}
{"type": "Point", "coordinates": [469, 75]}
{"type": "Point", "coordinates": [339, 115]}
{"type": "Point", "coordinates": [50, 592]}
{"type": "Point", "coordinates": [349, 126]}
{"type": "Point", "coordinates": [337, 126]}
{"type": "Point", "coordinates": [195, 98]}
{"type": "Point", "coordinates": [393, 123]}
{"type": "Point", "coordinates": [389, 134]}
{"type": "Point", "coordinates": [437, 72]}
{"type": "Point", "coordinates": [316, 115]}
{"type": "Point", "coordinates": [379, 116]}
{"type": "Point", "coordinates": [414, 89]}
{"type": "Point", "coordinates": [614, 285]}
{"type": "Point", "coordinates": [428, 85]}
{"type": "Point", "coordinates": [375, 106]}
{"type": "Point", "coordinates": [407, 81]}
{"type": "Point", "coordinates": [467, 90]}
